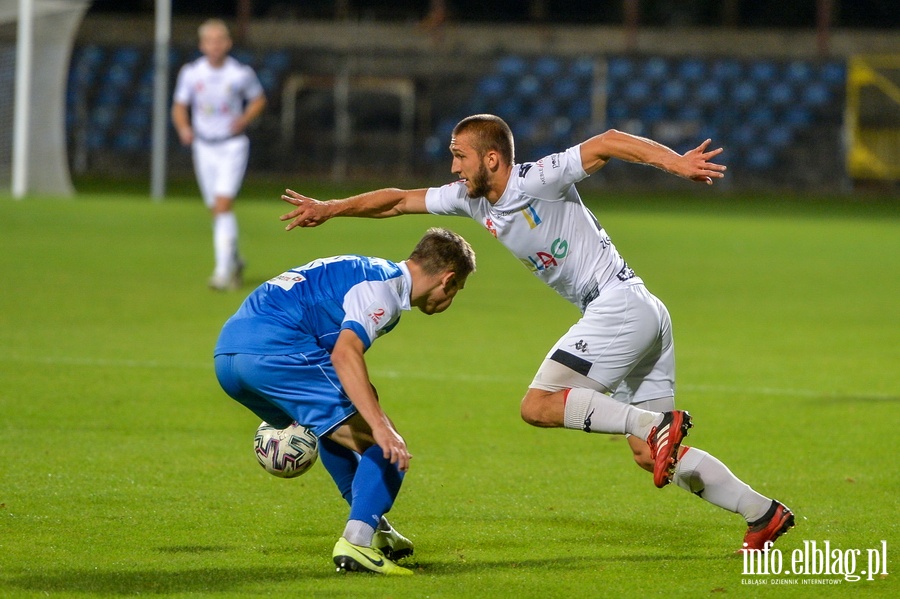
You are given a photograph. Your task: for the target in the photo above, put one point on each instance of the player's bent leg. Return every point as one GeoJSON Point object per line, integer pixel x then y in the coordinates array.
{"type": "Point", "coordinates": [545, 409]}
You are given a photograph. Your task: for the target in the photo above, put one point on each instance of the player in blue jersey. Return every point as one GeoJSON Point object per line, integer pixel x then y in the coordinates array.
{"type": "Point", "coordinates": [294, 352]}
{"type": "Point", "coordinates": [613, 371]}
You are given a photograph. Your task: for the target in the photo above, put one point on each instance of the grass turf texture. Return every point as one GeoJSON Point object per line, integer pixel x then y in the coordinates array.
{"type": "Point", "coordinates": [125, 470]}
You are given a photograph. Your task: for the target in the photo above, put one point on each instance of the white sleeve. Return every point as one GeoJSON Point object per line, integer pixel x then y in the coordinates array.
{"type": "Point", "coordinates": [550, 177]}
{"type": "Point", "coordinates": [183, 86]}
{"type": "Point", "coordinates": [448, 200]}
{"type": "Point", "coordinates": [371, 309]}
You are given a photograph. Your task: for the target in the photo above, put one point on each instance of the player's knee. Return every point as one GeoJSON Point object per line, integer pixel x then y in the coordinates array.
{"type": "Point", "coordinates": [537, 410]}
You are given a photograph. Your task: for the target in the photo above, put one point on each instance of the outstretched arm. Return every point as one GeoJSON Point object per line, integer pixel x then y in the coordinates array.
{"type": "Point", "coordinates": [382, 203]}
{"type": "Point", "coordinates": [350, 365]}
{"type": "Point", "coordinates": [694, 164]}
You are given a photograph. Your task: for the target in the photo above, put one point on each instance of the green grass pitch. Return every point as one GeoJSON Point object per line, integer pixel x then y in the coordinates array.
{"type": "Point", "coordinates": [125, 470]}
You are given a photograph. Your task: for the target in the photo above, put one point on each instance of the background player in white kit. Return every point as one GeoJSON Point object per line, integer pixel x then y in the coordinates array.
{"type": "Point", "coordinates": [622, 346]}
{"type": "Point", "coordinates": [215, 98]}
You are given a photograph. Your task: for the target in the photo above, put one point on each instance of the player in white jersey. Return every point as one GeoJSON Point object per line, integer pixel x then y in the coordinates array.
{"type": "Point", "coordinates": [215, 98]}
{"type": "Point", "coordinates": [622, 346]}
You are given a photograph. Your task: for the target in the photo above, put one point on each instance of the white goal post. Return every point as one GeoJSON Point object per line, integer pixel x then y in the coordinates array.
{"type": "Point", "coordinates": [44, 35]}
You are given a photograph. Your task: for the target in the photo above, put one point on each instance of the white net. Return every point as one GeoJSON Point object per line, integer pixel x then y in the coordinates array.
{"type": "Point", "coordinates": [54, 25]}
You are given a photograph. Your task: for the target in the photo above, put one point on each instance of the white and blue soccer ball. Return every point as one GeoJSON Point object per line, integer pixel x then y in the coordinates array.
{"type": "Point", "coordinates": [288, 452]}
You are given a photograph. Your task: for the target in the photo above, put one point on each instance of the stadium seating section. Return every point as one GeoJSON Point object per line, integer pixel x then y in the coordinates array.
{"type": "Point", "coordinates": [756, 109]}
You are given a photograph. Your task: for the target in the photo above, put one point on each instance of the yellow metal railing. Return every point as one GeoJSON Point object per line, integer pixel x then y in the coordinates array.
{"type": "Point", "coordinates": [872, 118]}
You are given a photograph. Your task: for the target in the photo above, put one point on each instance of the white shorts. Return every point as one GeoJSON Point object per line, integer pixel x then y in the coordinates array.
{"type": "Point", "coordinates": [220, 166]}
{"type": "Point", "coordinates": [622, 345]}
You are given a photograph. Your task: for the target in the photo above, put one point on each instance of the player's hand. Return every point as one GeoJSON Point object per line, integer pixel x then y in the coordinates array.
{"type": "Point", "coordinates": [308, 212]}
{"type": "Point", "coordinates": [393, 447]}
{"type": "Point", "coordinates": [186, 136]}
{"type": "Point", "coordinates": [696, 166]}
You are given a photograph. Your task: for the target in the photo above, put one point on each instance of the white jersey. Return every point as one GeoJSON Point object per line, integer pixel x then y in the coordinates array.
{"type": "Point", "coordinates": [216, 96]}
{"type": "Point", "coordinates": [541, 219]}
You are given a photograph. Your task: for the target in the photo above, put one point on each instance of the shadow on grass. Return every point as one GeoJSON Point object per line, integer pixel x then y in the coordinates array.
{"type": "Point", "coordinates": [89, 580]}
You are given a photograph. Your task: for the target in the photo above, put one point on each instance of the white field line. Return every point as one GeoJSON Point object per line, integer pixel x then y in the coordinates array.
{"type": "Point", "coordinates": [461, 377]}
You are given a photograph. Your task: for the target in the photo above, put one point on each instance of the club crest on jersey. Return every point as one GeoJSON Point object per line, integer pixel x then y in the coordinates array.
{"type": "Point", "coordinates": [287, 280]}
{"type": "Point", "coordinates": [489, 225]}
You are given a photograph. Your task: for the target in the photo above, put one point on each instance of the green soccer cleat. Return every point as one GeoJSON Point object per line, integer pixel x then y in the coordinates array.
{"type": "Point", "coordinates": [355, 558]}
{"type": "Point", "coordinates": [392, 544]}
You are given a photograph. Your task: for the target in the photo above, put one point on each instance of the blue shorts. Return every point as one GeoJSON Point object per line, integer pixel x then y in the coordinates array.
{"type": "Point", "coordinates": [283, 389]}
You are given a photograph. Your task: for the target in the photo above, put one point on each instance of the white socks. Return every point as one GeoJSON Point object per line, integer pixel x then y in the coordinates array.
{"type": "Point", "coordinates": [708, 478]}
{"type": "Point", "coordinates": [358, 532]}
{"type": "Point", "coordinates": [595, 412]}
{"type": "Point", "coordinates": [225, 235]}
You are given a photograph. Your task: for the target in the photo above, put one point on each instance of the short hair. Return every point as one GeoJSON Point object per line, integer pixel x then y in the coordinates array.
{"type": "Point", "coordinates": [490, 133]}
{"type": "Point", "coordinates": [213, 24]}
{"type": "Point", "coordinates": [442, 250]}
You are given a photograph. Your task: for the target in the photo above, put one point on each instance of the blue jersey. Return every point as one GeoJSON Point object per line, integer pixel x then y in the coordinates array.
{"type": "Point", "coordinates": [308, 306]}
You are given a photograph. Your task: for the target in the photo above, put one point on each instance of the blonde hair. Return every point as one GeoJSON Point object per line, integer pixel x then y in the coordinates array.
{"type": "Point", "coordinates": [213, 24]}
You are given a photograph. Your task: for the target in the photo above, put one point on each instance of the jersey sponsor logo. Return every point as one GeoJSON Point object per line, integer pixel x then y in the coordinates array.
{"type": "Point", "coordinates": [542, 261]}
{"type": "Point", "coordinates": [554, 161]}
{"type": "Point", "coordinates": [489, 225]}
{"type": "Point", "coordinates": [287, 280]}
{"type": "Point", "coordinates": [540, 165]}
{"type": "Point", "coordinates": [377, 315]}
{"type": "Point", "coordinates": [531, 216]}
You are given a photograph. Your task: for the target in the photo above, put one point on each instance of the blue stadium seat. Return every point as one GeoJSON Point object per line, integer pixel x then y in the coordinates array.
{"type": "Point", "coordinates": [543, 109]}
{"type": "Point", "coordinates": [126, 56]}
{"type": "Point", "coordinates": [816, 95]}
{"type": "Point", "coordinates": [580, 110]}
{"type": "Point", "coordinates": [528, 86]}
{"type": "Point", "coordinates": [762, 71]}
{"type": "Point", "coordinates": [277, 61]}
{"type": "Point", "coordinates": [760, 158]}
{"type": "Point", "coordinates": [725, 70]}
{"type": "Point", "coordinates": [781, 94]}
{"type": "Point", "coordinates": [779, 137]}
{"type": "Point", "coordinates": [565, 88]}
{"type": "Point", "coordinates": [743, 136]}
{"type": "Point", "coordinates": [652, 113]}
{"type": "Point", "coordinates": [492, 86]}
{"type": "Point", "coordinates": [798, 72]}
{"type": "Point", "coordinates": [797, 117]}
{"type": "Point", "coordinates": [619, 68]}
{"type": "Point", "coordinates": [761, 116]}
{"type": "Point", "coordinates": [689, 113]}
{"type": "Point", "coordinates": [637, 91]}
{"type": "Point", "coordinates": [547, 67]}
{"type": "Point", "coordinates": [511, 66]}
{"type": "Point", "coordinates": [655, 69]}
{"type": "Point", "coordinates": [244, 56]}
{"type": "Point", "coordinates": [691, 70]}
{"type": "Point", "coordinates": [709, 93]}
{"type": "Point", "coordinates": [510, 108]}
{"type": "Point", "coordinates": [833, 74]}
{"type": "Point", "coordinates": [673, 92]}
{"type": "Point", "coordinates": [744, 93]}
{"type": "Point", "coordinates": [582, 68]}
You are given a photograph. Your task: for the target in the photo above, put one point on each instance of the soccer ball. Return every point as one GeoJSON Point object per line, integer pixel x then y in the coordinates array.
{"type": "Point", "coordinates": [286, 453]}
